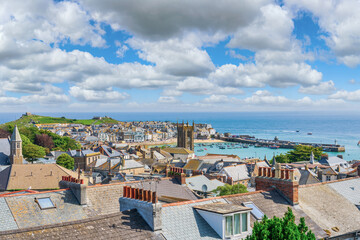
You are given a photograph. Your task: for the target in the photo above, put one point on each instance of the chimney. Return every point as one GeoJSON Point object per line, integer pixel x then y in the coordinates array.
{"type": "Point", "coordinates": [77, 187]}
{"type": "Point", "coordinates": [358, 170]}
{"type": "Point", "coordinates": [281, 179]}
{"type": "Point", "coordinates": [320, 176]}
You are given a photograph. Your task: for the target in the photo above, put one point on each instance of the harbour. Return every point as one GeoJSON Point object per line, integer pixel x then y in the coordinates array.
{"type": "Point", "coordinates": [276, 143]}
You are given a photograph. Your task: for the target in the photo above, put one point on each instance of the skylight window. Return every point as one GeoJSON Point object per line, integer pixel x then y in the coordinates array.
{"type": "Point", "coordinates": [45, 203]}
{"type": "Point", "coordinates": [256, 212]}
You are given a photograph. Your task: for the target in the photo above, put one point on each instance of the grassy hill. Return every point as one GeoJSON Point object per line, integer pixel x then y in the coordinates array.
{"type": "Point", "coordinates": [27, 121]}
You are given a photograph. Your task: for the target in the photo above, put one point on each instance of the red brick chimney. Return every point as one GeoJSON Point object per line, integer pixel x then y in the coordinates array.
{"type": "Point", "coordinates": [281, 179]}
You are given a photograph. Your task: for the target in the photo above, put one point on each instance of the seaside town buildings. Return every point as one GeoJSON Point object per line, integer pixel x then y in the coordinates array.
{"type": "Point", "coordinates": [126, 190]}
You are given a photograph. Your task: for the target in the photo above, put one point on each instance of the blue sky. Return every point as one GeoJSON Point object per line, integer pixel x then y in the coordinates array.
{"type": "Point", "coordinates": [179, 56]}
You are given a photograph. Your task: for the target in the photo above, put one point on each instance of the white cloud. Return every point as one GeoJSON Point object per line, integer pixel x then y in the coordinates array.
{"type": "Point", "coordinates": [272, 29]}
{"type": "Point", "coordinates": [274, 68]}
{"type": "Point", "coordinates": [216, 99]}
{"type": "Point", "coordinates": [97, 96]}
{"type": "Point", "coordinates": [167, 99]}
{"type": "Point", "coordinates": [323, 88]}
{"type": "Point", "coordinates": [233, 54]}
{"type": "Point", "coordinates": [161, 19]}
{"type": "Point", "coordinates": [346, 95]}
{"type": "Point", "coordinates": [338, 20]}
{"type": "Point", "coordinates": [178, 57]}
{"type": "Point", "coordinates": [120, 53]}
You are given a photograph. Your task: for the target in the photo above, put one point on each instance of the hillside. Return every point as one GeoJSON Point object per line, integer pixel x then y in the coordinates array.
{"type": "Point", "coordinates": [27, 121]}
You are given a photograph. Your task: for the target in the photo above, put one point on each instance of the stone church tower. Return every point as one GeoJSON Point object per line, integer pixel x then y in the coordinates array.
{"type": "Point", "coordinates": [16, 156]}
{"type": "Point", "coordinates": [185, 135]}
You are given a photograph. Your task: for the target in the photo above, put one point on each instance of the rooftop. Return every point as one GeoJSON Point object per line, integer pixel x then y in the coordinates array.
{"type": "Point", "coordinates": [222, 208]}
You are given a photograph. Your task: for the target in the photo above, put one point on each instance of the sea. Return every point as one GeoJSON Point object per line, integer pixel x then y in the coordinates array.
{"type": "Point", "coordinates": [342, 128]}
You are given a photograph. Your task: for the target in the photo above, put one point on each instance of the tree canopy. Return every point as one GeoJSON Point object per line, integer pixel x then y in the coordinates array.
{"type": "Point", "coordinates": [33, 152]}
{"type": "Point", "coordinates": [230, 189]}
{"type": "Point", "coordinates": [281, 229]}
{"type": "Point", "coordinates": [299, 153]}
{"type": "Point", "coordinates": [65, 161]}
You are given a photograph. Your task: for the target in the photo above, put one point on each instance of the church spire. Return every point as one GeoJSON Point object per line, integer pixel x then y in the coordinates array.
{"type": "Point", "coordinates": [273, 161]}
{"type": "Point", "coordinates": [16, 156]}
{"type": "Point", "coordinates": [16, 135]}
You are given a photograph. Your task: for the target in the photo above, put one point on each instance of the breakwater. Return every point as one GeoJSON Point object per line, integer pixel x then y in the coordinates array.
{"type": "Point", "coordinates": [276, 143]}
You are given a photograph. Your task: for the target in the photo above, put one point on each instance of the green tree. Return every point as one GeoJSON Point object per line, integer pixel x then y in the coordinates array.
{"type": "Point", "coordinates": [25, 140]}
{"type": "Point", "coordinates": [281, 229]}
{"type": "Point", "coordinates": [302, 153]}
{"type": "Point", "coordinates": [298, 154]}
{"type": "Point", "coordinates": [281, 158]}
{"type": "Point", "coordinates": [66, 161]}
{"type": "Point", "coordinates": [33, 152]}
{"type": "Point", "coordinates": [230, 189]}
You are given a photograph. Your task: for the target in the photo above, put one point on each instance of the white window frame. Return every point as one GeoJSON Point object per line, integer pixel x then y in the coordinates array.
{"type": "Point", "coordinates": [240, 222]}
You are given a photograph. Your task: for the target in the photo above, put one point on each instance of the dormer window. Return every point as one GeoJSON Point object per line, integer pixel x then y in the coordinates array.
{"type": "Point", "coordinates": [229, 221]}
{"type": "Point", "coordinates": [236, 224]}
{"type": "Point", "coordinates": [256, 212]}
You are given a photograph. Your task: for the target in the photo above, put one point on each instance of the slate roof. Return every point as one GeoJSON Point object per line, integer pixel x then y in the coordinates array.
{"type": "Point", "coordinates": [350, 189]}
{"type": "Point", "coordinates": [129, 164]}
{"type": "Point", "coordinates": [27, 212]}
{"type": "Point", "coordinates": [178, 150]}
{"type": "Point", "coordinates": [238, 172]}
{"type": "Point", "coordinates": [184, 222]}
{"type": "Point", "coordinates": [196, 183]}
{"type": "Point", "coordinates": [167, 187]}
{"type": "Point", "coordinates": [272, 203]}
{"type": "Point", "coordinates": [7, 221]}
{"type": "Point", "coordinates": [4, 151]}
{"type": "Point", "coordinates": [307, 177]}
{"type": "Point", "coordinates": [193, 164]}
{"type": "Point", "coordinates": [127, 225]}
{"type": "Point", "coordinates": [332, 161]}
{"type": "Point", "coordinates": [4, 176]}
{"type": "Point", "coordinates": [329, 209]}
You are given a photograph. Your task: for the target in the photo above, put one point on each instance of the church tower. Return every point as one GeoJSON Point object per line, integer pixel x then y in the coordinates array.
{"type": "Point", "coordinates": [16, 156]}
{"type": "Point", "coordinates": [185, 136]}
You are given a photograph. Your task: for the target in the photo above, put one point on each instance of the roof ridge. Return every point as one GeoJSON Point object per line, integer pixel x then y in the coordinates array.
{"type": "Point", "coordinates": [212, 198]}
{"type": "Point", "coordinates": [323, 183]}
{"type": "Point", "coordinates": [62, 224]}
{"type": "Point", "coordinates": [38, 192]}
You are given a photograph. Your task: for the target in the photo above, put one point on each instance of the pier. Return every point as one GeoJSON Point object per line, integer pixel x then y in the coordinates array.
{"type": "Point", "coordinates": [257, 142]}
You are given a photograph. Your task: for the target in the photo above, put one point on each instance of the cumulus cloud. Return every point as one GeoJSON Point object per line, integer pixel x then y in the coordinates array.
{"type": "Point", "coordinates": [97, 96]}
{"type": "Point", "coordinates": [347, 95]}
{"type": "Point", "coordinates": [338, 20]}
{"type": "Point", "coordinates": [172, 19]}
{"type": "Point", "coordinates": [178, 57]}
{"type": "Point", "coordinates": [323, 88]}
{"type": "Point", "coordinates": [272, 29]}
{"type": "Point", "coordinates": [274, 68]}
{"type": "Point", "coordinates": [216, 99]}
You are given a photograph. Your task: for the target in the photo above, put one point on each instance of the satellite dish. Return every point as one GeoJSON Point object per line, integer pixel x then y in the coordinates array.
{"type": "Point", "coordinates": [204, 188]}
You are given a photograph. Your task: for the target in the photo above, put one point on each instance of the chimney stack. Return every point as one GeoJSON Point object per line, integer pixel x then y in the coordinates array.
{"type": "Point", "coordinates": [282, 179]}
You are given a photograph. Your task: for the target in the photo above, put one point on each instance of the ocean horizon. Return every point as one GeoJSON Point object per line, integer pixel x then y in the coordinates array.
{"type": "Point", "coordinates": [325, 127]}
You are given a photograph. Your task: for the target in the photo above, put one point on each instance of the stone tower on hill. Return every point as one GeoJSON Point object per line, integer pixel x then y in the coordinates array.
{"type": "Point", "coordinates": [16, 156]}
{"type": "Point", "coordinates": [185, 136]}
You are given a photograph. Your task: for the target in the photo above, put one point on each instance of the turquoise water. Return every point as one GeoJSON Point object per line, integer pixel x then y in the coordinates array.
{"type": "Point", "coordinates": [326, 127]}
